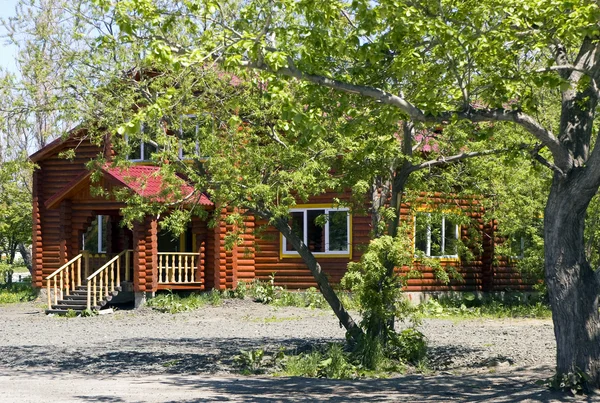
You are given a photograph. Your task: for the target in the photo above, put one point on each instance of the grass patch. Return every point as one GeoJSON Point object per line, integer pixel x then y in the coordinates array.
{"type": "Point", "coordinates": [469, 306]}
{"type": "Point", "coordinates": [267, 292]}
{"type": "Point", "coordinates": [17, 292]}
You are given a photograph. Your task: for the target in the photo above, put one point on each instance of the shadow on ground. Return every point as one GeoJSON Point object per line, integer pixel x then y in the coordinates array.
{"type": "Point", "coordinates": [184, 355]}
{"type": "Point", "coordinates": [187, 366]}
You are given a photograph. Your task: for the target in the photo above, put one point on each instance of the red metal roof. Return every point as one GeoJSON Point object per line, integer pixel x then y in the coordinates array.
{"type": "Point", "coordinates": [146, 181]}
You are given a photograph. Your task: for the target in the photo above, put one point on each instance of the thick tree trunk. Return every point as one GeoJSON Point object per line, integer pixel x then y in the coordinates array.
{"type": "Point", "coordinates": [573, 286]}
{"type": "Point", "coordinates": [330, 296]}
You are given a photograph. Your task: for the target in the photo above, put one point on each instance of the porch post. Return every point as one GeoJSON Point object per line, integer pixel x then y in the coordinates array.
{"type": "Point", "coordinates": [199, 233]}
{"type": "Point", "coordinates": [138, 265]}
{"type": "Point", "coordinates": [151, 254]}
{"type": "Point", "coordinates": [65, 231]}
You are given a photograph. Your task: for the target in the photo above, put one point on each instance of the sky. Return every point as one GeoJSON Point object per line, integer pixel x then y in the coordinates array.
{"type": "Point", "coordinates": [7, 52]}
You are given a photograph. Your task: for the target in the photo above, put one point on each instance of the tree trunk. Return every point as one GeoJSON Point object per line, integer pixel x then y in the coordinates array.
{"type": "Point", "coordinates": [573, 286]}
{"type": "Point", "coordinates": [26, 254]}
{"type": "Point", "coordinates": [330, 296]}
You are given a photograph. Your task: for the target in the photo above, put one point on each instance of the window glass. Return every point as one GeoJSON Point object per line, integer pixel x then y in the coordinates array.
{"type": "Point", "coordinates": [95, 238]}
{"type": "Point", "coordinates": [136, 150]}
{"type": "Point", "coordinates": [316, 231]}
{"type": "Point", "coordinates": [297, 224]}
{"type": "Point", "coordinates": [338, 231]}
{"type": "Point", "coordinates": [322, 230]}
{"type": "Point", "coordinates": [450, 237]}
{"type": "Point", "coordinates": [421, 232]}
{"type": "Point", "coordinates": [436, 236]}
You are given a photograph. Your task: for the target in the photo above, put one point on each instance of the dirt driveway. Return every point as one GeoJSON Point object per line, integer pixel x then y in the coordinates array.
{"type": "Point", "coordinates": [146, 356]}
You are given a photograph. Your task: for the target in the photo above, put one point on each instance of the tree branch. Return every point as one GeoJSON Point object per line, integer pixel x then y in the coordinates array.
{"type": "Point", "coordinates": [459, 157]}
{"type": "Point", "coordinates": [561, 155]}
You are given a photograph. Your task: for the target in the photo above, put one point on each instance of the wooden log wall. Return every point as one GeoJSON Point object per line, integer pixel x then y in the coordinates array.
{"type": "Point", "coordinates": [292, 272]}
{"type": "Point", "coordinates": [37, 238]}
{"type": "Point", "coordinates": [139, 256]}
{"type": "Point", "coordinates": [53, 174]}
{"type": "Point", "coordinates": [506, 277]}
{"type": "Point", "coordinates": [200, 234]}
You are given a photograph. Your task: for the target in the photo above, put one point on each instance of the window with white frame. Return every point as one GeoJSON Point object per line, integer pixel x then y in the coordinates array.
{"type": "Point", "coordinates": [140, 150]}
{"type": "Point", "coordinates": [95, 238]}
{"type": "Point", "coordinates": [323, 230]}
{"type": "Point", "coordinates": [436, 235]}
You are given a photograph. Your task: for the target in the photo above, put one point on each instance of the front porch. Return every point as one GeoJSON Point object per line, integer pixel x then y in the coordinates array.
{"type": "Point", "coordinates": [73, 287]}
{"type": "Point", "coordinates": [151, 260]}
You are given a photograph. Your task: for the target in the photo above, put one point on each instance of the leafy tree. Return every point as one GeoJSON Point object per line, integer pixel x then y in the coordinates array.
{"type": "Point", "coordinates": [509, 62]}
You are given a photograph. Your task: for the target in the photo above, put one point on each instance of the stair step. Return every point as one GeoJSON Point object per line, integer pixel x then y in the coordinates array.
{"type": "Point", "coordinates": [66, 307]}
{"type": "Point", "coordinates": [84, 294]}
{"type": "Point", "coordinates": [83, 288]}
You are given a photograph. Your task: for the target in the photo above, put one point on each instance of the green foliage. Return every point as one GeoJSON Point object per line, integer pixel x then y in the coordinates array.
{"type": "Point", "coordinates": [171, 302]}
{"type": "Point", "coordinates": [410, 345]}
{"type": "Point", "coordinates": [376, 285]}
{"type": "Point", "coordinates": [267, 292]}
{"type": "Point", "coordinates": [250, 361]}
{"type": "Point", "coordinates": [575, 382]}
{"type": "Point", "coordinates": [17, 292]}
{"type": "Point", "coordinates": [240, 290]}
{"type": "Point", "coordinates": [303, 364]}
{"type": "Point", "coordinates": [87, 313]}
{"type": "Point", "coordinates": [469, 306]}
{"type": "Point", "coordinates": [264, 292]}
{"type": "Point", "coordinates": [333, 363]}
{"type": "Point", "coordinates": [71, 313]}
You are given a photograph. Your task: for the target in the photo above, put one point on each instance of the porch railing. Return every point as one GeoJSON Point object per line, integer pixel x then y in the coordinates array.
{"type": "Point", "coordinates": [177, 267]}
{"type": "Point", "coordinates": [64, 280]}
{"type": "Point", "coordinates": [103, 281]}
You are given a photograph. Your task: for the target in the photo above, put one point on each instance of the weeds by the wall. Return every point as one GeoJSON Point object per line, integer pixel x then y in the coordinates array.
{"type": "Point", "coordinates": [173, 303]}
{"type": "Point", "coordinates": [469, 306]}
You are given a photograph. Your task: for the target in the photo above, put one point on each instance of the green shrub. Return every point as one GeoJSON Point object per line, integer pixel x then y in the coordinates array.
{"type": "Point", "coordinates": [17, 292]}
{"type": "Point", "coordinates": [264, 292]}
{"type": "Point", "coordinates": [409, 345]}
{"type": "Point", "coordinates": [240, 290]}
{"type": "Point", "coordinates": [304, 364]}
{"type": "Point", "coordinates": [469, 306]}
{"type": "Point", "coordinates": [171, 302]}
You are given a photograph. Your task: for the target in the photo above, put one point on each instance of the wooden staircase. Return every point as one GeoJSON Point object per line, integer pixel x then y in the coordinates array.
{"type": "Point", "coordinates": [67, 292]}
{"type": "Point", "coordinates": [77, 301]}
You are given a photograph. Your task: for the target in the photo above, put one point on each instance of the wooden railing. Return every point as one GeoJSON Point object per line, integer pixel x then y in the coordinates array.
{"type": "Point", "coordinates": [64, 280]}
{"type": "Point", "coordinates": [103, 281]}
{"type": "Point", "coordinates": [177, 267]}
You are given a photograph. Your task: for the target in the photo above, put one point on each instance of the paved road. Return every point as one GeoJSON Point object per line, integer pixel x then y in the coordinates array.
{"type": "Point", "coordinates": [66, 387]}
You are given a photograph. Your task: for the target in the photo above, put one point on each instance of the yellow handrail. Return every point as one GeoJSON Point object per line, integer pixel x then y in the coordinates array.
{"type": "Point", "coordinates": [107, 277]}
{"type": "Point", "coordinates": [177, 267]}
{"type": "Point", "coordinates": [63, 279]}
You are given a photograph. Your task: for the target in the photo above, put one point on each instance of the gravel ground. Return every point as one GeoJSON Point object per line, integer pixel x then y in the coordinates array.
{"type": "Point", "coordinates": [467, 357]}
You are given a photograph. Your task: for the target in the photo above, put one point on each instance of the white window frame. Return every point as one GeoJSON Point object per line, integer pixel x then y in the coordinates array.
{"type": "Point", "coordinates": [141, 148]}
{"type": "Point", "coordinates": [326, 211]}
{"type": "Point", "coordinates": [442, 236]}
{"type": "Point", "coordinates": [521, 254]}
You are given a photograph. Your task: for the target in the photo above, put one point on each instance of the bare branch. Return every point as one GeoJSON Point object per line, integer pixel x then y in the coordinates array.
{"type": "Point", "coordinates": [276, 138]}
{"type": "Point", "coordinates": [459, 157]}
{"type": "Point", "coordinates": [562, 67]}
{"type": "Point", "coordinates": [548, 164]}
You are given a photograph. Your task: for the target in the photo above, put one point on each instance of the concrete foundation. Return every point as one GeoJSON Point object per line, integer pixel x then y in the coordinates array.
{"type": "Point", "coordinates": [140, 298]}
